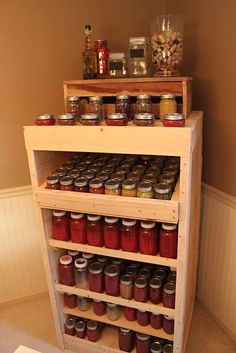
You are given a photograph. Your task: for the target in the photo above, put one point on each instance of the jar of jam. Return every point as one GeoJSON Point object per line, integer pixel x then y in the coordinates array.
{"type": "Point", "coordinates": [111, 232]}
{"type": "Point", "coordinates": [168, 240]}
{"type": "Point", "coordinates": [102, 58]}
{"type": "Point", "coordinates": [81, 273]}
{"type": "Point", "coordinates": [167, 105]}
{"type": "Point", "coordinates": [143, 104]}
{"type": "Point", "coordinates": [95, 230]}
{"type": "Point", "coordinates": [130, 313]}
{"type": "Point", "coordinates": [174, 120]}
{"type": "Point", "coordinates": [102, 175]}
{"type": "Point", "coordinates": [104, 260]}
{"type": "Point", "coordinates": [89, 174]}
{"type": "Point", "coordinates": [95, 106]}
{"type": "Point", "coordinates": [168, 296]}
{"type": "Point", "coordinates": [81, 184]}
{"type": "Point", "coordinates": [73, 105]}
{"type": "Point", "coordinates": [89, 257]}
{"type": "Point", "coordinates": [168, 324]}
{"type": "Point", "coordinates": [60, 226]}
{"type": "Point", "coordinates": [160, 273]}
{"type": "Point", "coordinates": [113, 312]}
{"type": "Point", "coordinates": [45, 120]}
{"type": "Point", "coordinates": [139, 168]}
{"type": "Point", "coordinates": [162, 191]}
{"type": "Point", "coordinates": [69, 165]}
{"type": "Point", "coordinates": [143, 317]}
{"type": "Point", "coordinates": [112, 280]}
{"type": "Point", "coordinates": [73, 173]}
{"type": "Point", "coordinates": [155, 290]}
{"type": "Point", "coordinates": [96, 186]}
{"type": "Point", "coordinates": [81, 167]}
{"type": "Point", "coordinates": [69, 326]}
{"type": "Point", "coordinates": [116, 119]}
{"type": "Point", "coordinates": [141, 289]}
{"type": "Point", "coordinates": [129, 188]}
{"type": "Point", "coordinates": [83, 303]}
{"type": "Point", "coordinates": [145, 272]}
{"type": "Point", "coordinates": [132, 271]}
{"type": "Point", "coordinates": [123, 105]}
{"type": "Point", "coordinates": [66, 119]}
{"type": "Point", "coordinates": [126, 340]}
{"type": "Point", "coordinates": [90, 119]}
{"type": "Point", "coordinates": [144, 119]}
{"type": "Point", "coordinates": [172, 277]}
{"type": "Point", "coordinates": [126, 287]}
{"type": "Point", "coordinates": [135, 177]}
{"type": "Point", "coordinates": [145, 190]}
{"type": "Point", "coordinates": [129, 235]}
{"type": "Point", "coordinates": [148, 238]}
{"type": "Point", "coordinates": [118, 176]}
{"type": "Point", "coordinates": [168, 179]}
{"type": "Point", "coordinates": [60, 172]}
{"type": "Point", "coordinates": [67, 183]}
{"type": "Point", "coordinates": [53, 182]}
{"type": "Point", "coordinates": [78, 226]}
{"type": "Point", "coordinates": [156, 321]}
{"type": "Point", "coordinates": [80, 329]}
{"type": "Point", "coordinates": [74, 254]}
{"type": "Point", "coordinates": [93, 331]}
{"type": "Point", "coordinates": [168, 348]}
{"type": "Point", "coordinates": [66, 271]}
{"type": "Point", "coordinates": [143, 343]}
{"type": "Point", "coordinates": [112, 187]}
{"type": "Point", "coordinates": [95, 277]}
{"type": "Point", "coordinates": [99, 307]}
{"type": "Point", "coordinates": [70, 300]}
{"type": "Point", "coordinates": [156, 347]}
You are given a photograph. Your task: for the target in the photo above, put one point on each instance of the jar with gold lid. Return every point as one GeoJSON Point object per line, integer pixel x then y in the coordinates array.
{"type": "Point", "coordinates": [167, 105]}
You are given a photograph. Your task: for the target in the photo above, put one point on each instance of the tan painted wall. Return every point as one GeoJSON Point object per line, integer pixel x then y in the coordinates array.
{"type": "Point", "coordinates": [41, 44]}
{"type": "Point", "coordinates": [210, 56]}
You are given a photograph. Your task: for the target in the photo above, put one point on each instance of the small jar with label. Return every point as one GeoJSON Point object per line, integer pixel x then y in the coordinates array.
{"type": "Point", "coordinates": [69, 326]}
{"type": "Point", "coordinates": [126, 340]}
{"type": "Point", "coordinates": [45, 120]}
{"type": "Point", "coordinates": [112, 280]}
{"type": "Point", "coordinates": [116, 119]}
{"type": "Point", "coordinates": [66, 271]}
{"type": "Point", "coordinates": [168, 240]}
{"type": "Point", "coordinates": [126, 287]}
{"type": "Point", "coordinates": [168, 296]}
{"type": "Point", "coordinates": [162, 191]}
{"type": "Point", "coordinates": [143, 104]}
{"type": "Point", "coordinates": [138, 57]}
{"type": "Point", "coordinates": [83, 303]}
{"type": "Point", "coordinates": [112, 187]}
{"type": "Point", "coordinates": [66, 119]}
{"type": "Point", "coordinates": [168, 348]}
{"type": "Point", "coordinates": [129, 235]}
{"type": "Point", "coordinates": [168, 324]}
{"type": "Point", "coordinates": [111, 233]}
{"type": "Point", "coordinates": [130, 313]}
{"type": "Point", "coordinates": [148, 238]}
{"type": "Point", "coordinates": [99, 307]}
{"type": "Point", "coordinates": [80, 329]}
{"type": "Point", "coordinates": [123, 105]}
{"type": "Point", "coordinates": [73, 105]}
{"type": "Point", "coordinates": [70, 300]}
{"type": "Point", "coordinates": [156, 321]}
{"type": "Point", "coordinates": [174, 120]}
{"type": "Point", "coordinates": [143, 343]}
{"type": "Point", "coordinates": [168, 179]}
{"type": "Point", "coordinates": [156, 347]}
{"type": "Point", "coordinates": [53, 182]}
{"type": "Point", "coordinates": [78, 226]}
{"type": "Point", "coordinates": [144, 119]}
{"type": "Point", "coordinates": [95, 106]}
{"type": "Point", "coordinates": [96, 186]}
{"type": "Point", "coordinates": [93, 331]}
{"type": "Point", "coordinates": [60, 226]}
{"type": "Point", "coordinates": [129, 188]}
{"type": "Point", "coordinates": [81, 273]}
{"type": "Point", "coordinates": [167, 105]}
{"type": "Point", "coordinates": [141, 289]}
{"type": "Point", "coordinates": [143, 317]}
{"type": "Point", "coordinates": [95, 277]}
{"type": "Point", "coordinates": [113, 311]}
{"type": "Point", "coordinates": [90, 119]}
{"type": "Point", "coordinates": [81, 184]}
{"type": "Point", "coordinates": [145, 190]}
{"type": "Point", "coordinates": [67, 183]}
{"type": "Point", "coordinates": [117, 65]}
{"type": "Point", "coordinates": [155, 290]}
{"type": "Point", "coordinates": [95, 230]}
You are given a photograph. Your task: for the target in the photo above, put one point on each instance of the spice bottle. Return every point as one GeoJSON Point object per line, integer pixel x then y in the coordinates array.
{"type": "Point", "coordinates": [102, 58]}
{"type": "Point", "coordinates": [88, 56]}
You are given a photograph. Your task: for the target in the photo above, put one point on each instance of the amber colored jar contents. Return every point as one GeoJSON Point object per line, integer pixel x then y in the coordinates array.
{"type": "Point", "coordinates": [143, 317]}
{"type": "Point", "coordinates": [45, 120]}
{"type": "Point", "coordinates": [144, 119]}
{"type": "Point", "coordinates": [66, 271]}
{"type": "Point", "coordinates": [96, 186]}
{"type": "Point", "coordinates": [116, 119]}
{"type": "Point", "coordinates": [129, 188]}
{"type": "Point", "coordinates": [67, 183]}
{"type": "Point", "coordinates": [162, 191]}
{"type": "Point", "coordinates": [53, 182]}
{"type": "Point", "coordinates": [148, 238]}
{"type": "Point", "coordinates": [78, 228]}
{"type": "Point", "coordinates": [129, 235]}
{"type": "Point", "coordinates": [168, 240]}
{"type": "Point", "coordinates": [141, 289]}
{"type": "Point", "coordinates": [99, 307]}
{"type": "Point", "coordinates": [156, 347]}
{"type": "Point", "coordinates": [66, 119]}
{"type": "Point", "coordinates": [93, 331]}
{"type": "Point", "coordinates": [123, 105]}
{"type": "Point", "coordinates": [174, 120]}
{"type": "Point", "coordinates": [80, 329]}
{"type": "Point", "coordinates": [167, 105]}
{"type": "Point", "coordinates": [70, 300]}
{"type": "Point", "coordinates": [168, 296]}
{"type": "Point", "coordinates": [126, 287]}
{"type": "Point", "coordinates": [73, 105]}
{"type": "Point", "coordinates": [130, 313]}
{"type": "Point", "coordinates": [167, 348]}
{"type": "Point", "coordinates": [69, 326]}
{"type": "Point", "coordinates": [126, 340]}
{"type": "Point", "coordinates": [90, 119]}
{"type": "Point", "coordinates": [156, 321]}
{"type": "Point", "coordinates": [111, 232]}
{"type": "Point", "coordinates": [60, 226]}
{"type": "Point", "coordinates": [143, 343]}
{"type": "Point", "coordinates": [95, 230]}
{"type": "Point", "coordinates": [81, 273]}
{"type": "Point", "coordinates": [113, 311]}
{"type": "Point", "coordinates": [95, 277]}
{"type": "Point", "coordinates": [155, 290]}
{"type": "Point", "coordinates": [112, 280]}
{"type": "Point", "coordinates": [112, 187]}
{"type": "Point", "coordinates": [81, 184]}
{"type": "Point", "coordinates": [168, 324]}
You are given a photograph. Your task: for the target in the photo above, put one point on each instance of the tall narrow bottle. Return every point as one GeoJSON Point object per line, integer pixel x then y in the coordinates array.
{"type": "Point", "coordinates": [88, 56]}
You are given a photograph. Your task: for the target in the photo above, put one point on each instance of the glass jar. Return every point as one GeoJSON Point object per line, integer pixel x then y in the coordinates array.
{"type": "Point", "coordinates": [117, 65]}
{"type": "Point", "coordinates": [167, 105]}
{"type": "Point", "coordinates": [155, 290]}
{"type": "Point", "coordinates": [129, 188]}
{"type": "Point", "coordinates": [81, 166]}
{"type": "Point", "coordinates": [143, 343]}
{"type": "Point", "coordinates": [168, 240]}
{"type": "Point", "coordinates": [144, 119]}
{"type": "Point", "coordinates": [70, 300]}
{"type": "Point", "coordinates": [138, 57]}
{"type": "Point", "coordinates": [168, 296]}
{"type": "Point", "coordinates": [81, 184]}
{"type": "Point", "coordinates": [53, 182]}
{"type": "Point", "coordinates": [168, 348]}
{"type": "Point", "coordinates": [168, 324]}
{"type": "Point", "coordinates": [68, 165]}
{"type": "Point", "coordinates": [145, 272]}
{"type": "Point", "coordinates": [112, 280]}
{"type": "Point", "coordinates": [66, 119]}
{"type": "Point", "coordinates": [141, 289]}
{"type": "Point", "coordinates": [81, 273]}
{"type": "Point", "coordinates": [60, 172]}
{"type": "Point", "coordinates": [95, 230]}
{"type": "Point", "coordinates": [130, 313]}
{"type": "Point", "coordinates": [96, 186]}
{"type": "Point", "coordinates": [102, 58]}
{"type": "Point", "coordinates": [67, 183]}
{"type": "Point", "coordinates": [113, 312]}
{"type": "Point", "coordinates": [80, 329]}
{"type": "Point", "coordinates": [112, 187]}
{"type": "Point", "coordinates": [129, 235]}
{"type": "Point", "coordinates": [132, 271]}
{"type": "Point", "coordinates": [156, 321]}
{"type": "Point", "coordinates": [89, 174]}
{"type": "Point", "coordinates": [111, 233]}
{"type": "Point", "coordinates": [73, 173]}
{"type": "Point", "coordinates": [168, 179]}
{"type": "Point", "coordinates": [120, 176]}
{"type": "Point", "coordinates": [74, 254]}
{"type": "Point", "coordinates": [125, 168]}
{"type": "Point", "coordinates": [83, 303]}
{"type": "Point", "coordinates": [93, 331]}
{"type": "Point", "coordinates": [89, 257]}
{"type": "Point", "coordinates": [172, 277]}
{"type": "Point", "coordinates": [139, 168]}
{"type": "Point", "coordinates": [120, 263]}
{"type": "Point", "coordinates": [69, 326]}
{"type": "Point", "coordinates": [143, 104]}
{"type": "Point", "coordinates": [73, 105]}
{"type": "Point", "coordinates": [78, 226]}
{"type": "Point", "coordinates": [116, 119]}
{"type": "Point", "coordinates": [45, 120]}
{"type": "Point", "coordinates": [102, 175]}
{"type": "Point", "coordinates": [156, 347]}
{"type": "Point", "coordinates": [99, 307]}
{"type": "Point", "coordinates": [90, 119]}
{"type": "Point", "coordinates": [95, 106]}
{"type": "Point", "coordinates": [126, 340]}
{"type": "Point", "coordinates": [172, 170]}
{"type": "Point", "coordinates": [148, 238]}
{"type": "Point", "coordinates": [126, 287]}
{"type": "Point", "coordinates": [145, 190]}
{"type": "Point", "coordinates": [66, 271]}
{"type": "Point", "coordinates": [123, 105]}
{"type": "Point", "coordinates": [60, 226]}
{"type": "Point", "coordinates": [95, 277]}
{"type": "Point", "coordinates": [143, 317]}
{"type": "Point", "coordinates": [135, 177]}
{"type": "Point", "coordinates": [104, 260]}
{"type": "Point", "coordinates": [160, 273]}
{"type": "Point", "coordinates": [162, 191]}
{"type": "Point", "coordinates": [173, 120]}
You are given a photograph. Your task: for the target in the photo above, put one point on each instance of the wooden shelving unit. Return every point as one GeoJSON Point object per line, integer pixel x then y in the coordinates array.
{"type": "Point", "coordinates": [49, 147]}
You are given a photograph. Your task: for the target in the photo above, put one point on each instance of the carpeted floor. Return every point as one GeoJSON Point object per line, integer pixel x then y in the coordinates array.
{"type": "Point", "coordinates": [30, 324]}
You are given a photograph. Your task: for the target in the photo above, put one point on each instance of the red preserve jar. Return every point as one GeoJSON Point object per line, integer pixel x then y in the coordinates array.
{"type": "Point", "coordinates": [173, 120]}
{"type": "Point", "coordinates": [66, 271]}
{"type": "Point", "coordinates": [129, 235]}
{"type": "Point", "coordinates": [95, 230]}
{"type": "Point", "coordinates": [45, 120]}
{"type": "Point", "coordinates": [143, 317]}
{"type": "Point", "coordinates": [111, 232]}
{"type": "Point", "coordinates": [143, 343]}
{"type": "Point", "coordinates": [99, 307]}
{"type": "Point", "coordinates": [155, 290]}
{"type": "Point", "coordinates": [95, 277]}
{"type": "Point", "coordinates": [141, 289]}
{"type": "Point", "coordinates": [104, 260]}
{"type": "Point", "coordinates": [116, 119]}
{"type": "Point", "coordinates": [80, 329]}
{"type": "Point", "coordinates": [78, 227]}
{"type": "Point", "coordinates": [168, 240]}
{"type": "Point", "coordinates": [112, 280]}
{"type": "Point", "coordinates": [148, 238]}
{"type": "Point", "coordinates": [93, 331]}
{"type": "Point", "coordinates": [168, 296]}
{"type": "Point", "coordinates": [53, 182]}
{"type": "Point", "coordinates": [130, 313]}
{"type": "Point", "coordinates": [90, 258]}
{"type": "Point", "coordinates": [156, 321]}
{"type": "Point", "coordinates": [70, 300]}
{"type": "Point", "coordinates": [81, 184]}
{"type": "Point", "coordinates": [69, 326]}
{"type": "Point", "coordinates": [67, 183]}
{"type": "Point", "coordinates": [168, 324]}
{"type": "Point", "coordinates": [60, 226]}
{"type": "Point", "coordinates": [96, 186]}
{"type": "Point", "coordinates": [74, 254]}
{"type": "Point", "coordinates": [102, 57]}
{"type": "Point", "coordinates": [126, 340]}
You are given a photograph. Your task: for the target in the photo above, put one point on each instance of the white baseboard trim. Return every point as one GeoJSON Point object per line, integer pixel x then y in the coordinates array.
{"type": "Point", "coordinates": [23, 299]}
{"type": "Point", "coordinates": [219, 195]}
{"type": "Point", "coordinates": [15, 192]}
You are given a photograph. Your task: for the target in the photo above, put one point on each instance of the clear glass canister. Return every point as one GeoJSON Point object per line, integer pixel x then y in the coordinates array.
{"type": "Point", "coordinates": [83, 303]}
{"type": "Point", "coordinates": [123, 105]}
{"type": "Point", "coordinates": [113, 311]}
{"type": "Point", "coordinates": [138, 57]}
{"type": "Point", "coordinates": [73, 105]}
{"type": "Point", "coordinates": [117, 64]}
{"type": "Point", "coordinates": [143, 104]}
{"type": "Point", "coordinates": [167, 105]}
{"type": "Point", "coordinates": [95, 106]}
{"type": "Point", "coordinates": [81, 273]}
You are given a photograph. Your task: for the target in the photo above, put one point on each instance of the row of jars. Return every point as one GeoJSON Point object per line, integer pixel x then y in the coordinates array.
{"type": "Point", "coordinates": [114, 311]}
{"type": "Point", "coordinates": [114, 233]}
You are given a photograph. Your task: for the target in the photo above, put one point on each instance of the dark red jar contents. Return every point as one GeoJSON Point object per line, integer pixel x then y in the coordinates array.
{"type": "Point", "coordinates": [96, 186]}
{"type": "Point", "coordinates": [81, 184]}
{"type": "Point", "coordinates": [93, 331]}
{"type": "Point", "coordinates": [168, 296]}
{"type": "Point", "coordinates": [130, 313]}
{"type": "Point", "coordinates": [70, 300]}
{"type": "Point", "coordinates": [143, 343]}
{"type": "Point", "coordinates": [95, 230]}
{"type": "Point", "coordinates": [99, 307]}
{"type": "Point", "coordinates": [126, 340]}
{"type": "Point", "coordinates": [96, 277]}
{"type": "Point", "coordinates": [173, 120]}
{"type": "Point", "coordinates": [140, 289]}
{"type": "Point", "coordinates": [112, 280]}
{"type": "Point", "coordinates": [168, 324]}
{"type": "Point", "coordinates": [53, 182]}
{"type": "Point", "coordinates": [67, 183]}
{"type": "Point", "coordinates": [66, 271]}
{"type": "Point", "coordinates": [156, 321]}
{"type": "Point", "coordinates": [143, 317]}
{"type": "Point", "coordinates": [78, 228]}
{"type": "Point", "coordinates": [69, 326]}
{"type": "Point", "coordinates": [168, 240]}
{"type": "Point", "coordinates": [80, 329]}
{"type": "Point", "coordinates": [155, 290]}
{"type": "Point", "coordinates": [60, 226]}
{"type": "Point", "coordinates": [148, 238]}
{"type": "Point", "coordinates": [111, 232]}
{"type": "Point", "coordinates": [129, 235]}
{"type": "Point", "coordinates": [45, 120]}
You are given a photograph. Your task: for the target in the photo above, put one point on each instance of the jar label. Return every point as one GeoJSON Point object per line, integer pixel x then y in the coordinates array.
{"type": "Point", "coordinates": [116, 65]}
{"type": "Point", "coordinates": [136, 53]}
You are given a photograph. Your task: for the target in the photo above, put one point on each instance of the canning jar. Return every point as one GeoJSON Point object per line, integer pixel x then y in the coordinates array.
{"type": "Point", "coordinates": [168, 240]}
{"type": "Point", "coordinates": [145, 190]}
{"type": "Point", "coordinates": [168, 295]}
{"type": "Point", "coordinates": [120, 176]}
{"type": "Point", "coordinates": [45, 120]}
{"type": "Point", "coordinates": [69, 165]}
{"type": "Point", "coordinates": [95, 106]}
{"type": "Point", "coordinates": [89, 174]}
{"type": "Point", "coordinates": [138, 57]}
{"type": "Point", "coordinates": [160, 273]}
{"type": "Point", "coordinates": [102, 175]}
{"type": "Point", "coordinates": [116, 119]}
{"type": "Point", "coordinates": [112, 187]}
{"type": "Point", "coordinates": [112, 280]}
{"type": "Point", "coordinates": [168, 324]}
{"type": "Point", "coordinates": [60, 226]}
{"type": "Point", "coordinates": [126, 287]}
{"type": "Point", "coordinates": [126, 340]}
{"type": "Point", "coordinates": [139, 168]}
{"type": "Point", "coordinates": [141, 289]}
{"type": "Point", "coordinates": [60, 172]}
{"type": "Point", "coordinates": [66, 271]}
{"type": "Point", "coordinates": [95, 230]}
{"type": "Point", "coordinates": [102, 58]}
{"type": "Point", "coordinates": [156, 321]}
{"type": "Point", "coordinates": [120, 263]}
{"type": "Point", "coordinates": [99, 307]}
{"type": "Point", "coordinates": [167, 105]}
{"type": "Point", "coordinates": [66, 119]}
{"type": "Point", "coordinates": [132, 271]}
{"type": "Point", "coordinates": [129, 235]}
{"type": "Point", "coordinates": [73, 105]}
{"type": "Point", "coordinates": [104, 260]}
{"type": "Point", "coordinates": [156, 347]}
{"type": "Point", "coordinates": [123, 105]}
{"type": "Point", "coordinates": [70, 300]}
{"type": "Point", "coordinates": [135, 176]}
{"type": "Point", "coordinates": [74, 254]}
{"type": "Point", "coordinates": [148, 238]}
{"type": "Point", "coordinates": [90, 119]}
{"type": "Point", "coordinates": [173, 120]}
{"type": "Point", "coordinates": [80, 329]}
{"type": "Point", "coordinates": [117, 65]}
{"type": "Point", "coordinates": [53, 182]}
{"type": "Point", "coordinates": [172, 170]}
{"type": "Point", "coordinates": [168, 348]}
{"type": "Point", "coordinates": [89, 257]}
{"type": "Point", "coordinates": [130, 313]}
{"type": "Point", "coordinates": [129, 188]}
{"type": "Point", "coordinates": [168, 179]}
{"type": "Point", "coordinates": [81, 166]}
{"type": "Point", "coordinates": [93, 331]}
{"type": "Point", "coordinates": [67, 183]}
{"type": "Point", "coordinates": [144, 119]}
{"type": "Point", "coordinates": [95, 277]}
{"type": "Point", "coordinates": [69, 326]}
{"type": "Point", "coordinates": [143, 343]}
{"type": "Point", "coordinates": [145, 272]}
{"type": "Point", "coordinates": [113, 311]}
{"type": "Point", "coordinates": [143, 104]}
{"type": "Point", "coordinates": [81, 273]}
{"type": "Point", "coordinates": [78, 226]}
{"type": "Point", "coordinates": [155, 290]}
{"type": "Point", "coordinates": [162, 191]}
{"type": "Point", "coordinates": [96, 186]}
{"type": "Point", "coordinates": [143, 317]}
{"type": "Point", "coordinates": [111, 233]}
{"type": "Point", "coordinates": [73, 173]}
{"type": "Point", "coordinates": [83, 303]}
{"type": "Point", "coordinates": [172, 277]}
{"type": "Point", "coordinates": [81, 184]}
